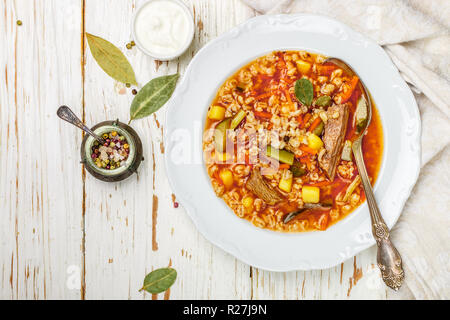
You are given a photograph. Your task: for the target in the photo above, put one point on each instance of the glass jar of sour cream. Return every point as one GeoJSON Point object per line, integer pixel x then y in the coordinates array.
{"type": "Point", "coordinates": [163, 29]}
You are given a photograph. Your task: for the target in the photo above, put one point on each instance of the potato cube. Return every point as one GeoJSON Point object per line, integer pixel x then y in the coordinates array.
{"type": "Point", "coordinates": [247, 202]}
{"type": "Point", "coordinates": [314, 142]}
{"type": "Point", "coordinates": [216, 113]}
{"type": "Point", "coordinates": [227, 178]}
{"type": "Point", "coordinates": [310, 194]}
{"type": "Point", "coordinates": [303, 66]}
{"type": "Point", "coordinates": [286, 184]}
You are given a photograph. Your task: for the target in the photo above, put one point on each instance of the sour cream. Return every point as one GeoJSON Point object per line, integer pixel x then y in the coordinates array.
{"type": "Point", "coordinates": [163, 28]}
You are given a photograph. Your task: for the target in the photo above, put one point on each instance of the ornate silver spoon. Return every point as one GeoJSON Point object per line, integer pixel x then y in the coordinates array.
{"type": "Point", "coordinates": [65, 113]}
{"type": "Point", "coordinates": [388, 258]}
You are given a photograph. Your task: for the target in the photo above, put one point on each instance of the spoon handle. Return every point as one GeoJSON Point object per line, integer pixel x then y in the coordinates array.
{"type": "Point", "coordinates": [388, 258]}
{"type": "Point", "coordinates": [65, 113]}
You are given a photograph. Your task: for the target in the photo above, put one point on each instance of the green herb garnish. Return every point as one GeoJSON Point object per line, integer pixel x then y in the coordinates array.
{"type": "Point", "coordinates": [304, 91]}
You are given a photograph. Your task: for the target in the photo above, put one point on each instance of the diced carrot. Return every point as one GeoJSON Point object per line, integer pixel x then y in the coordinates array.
{"type": "Point", "coordinates": [300, 120]}
{"type": "Point", "coordinates": [348, 94]}
{"type": "Point", "coordinates": [288, 95]}
{"type": "Point", "coordinates": [326, 70]}
{"type": "Point", "coordinates": [323, 221]}
{"type": "Point", "coordinates": [247, 158]}
{"type": "Point", "coordinates": [263, 96]}
{"type": "Point", "coordinates": [306, 118]}
{"type": "Point", "coordinates": [305, 160]}
{"type": "Point", "coordinates": [263, 114]}
{"type": "Point", "coordinates": [281, 60]}
{"type": "Point", "coordinates": [284, 166]}
{"type": "Point", "coordinates": [314, 124]}
{"type": "Point", "coordinates": [290, 80]}
{"type": "Point", "coordinates": [319, 184]}
{"type": "Point", "coordinates": [307, 149]}
{"type": "Point", "coordinates": [270, 126]}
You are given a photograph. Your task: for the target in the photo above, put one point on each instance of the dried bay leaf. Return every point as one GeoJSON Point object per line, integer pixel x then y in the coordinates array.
{"type": "Point", "coordinates": [323, 101]}
{"type": "Point", "coordinates": [304, 91]}
{"type": "Point", "coordinates": [153, 96]}
{"type": "Point", "coordinates": [111, 59]}
{"type": "Point", "coordinates": [159, 280]}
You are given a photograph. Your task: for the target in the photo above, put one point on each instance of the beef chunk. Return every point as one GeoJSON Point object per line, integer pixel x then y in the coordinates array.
{"type": "Point", "coordinates": [333, 138]}
{"type": "Point", "coordinates": [262, 189]}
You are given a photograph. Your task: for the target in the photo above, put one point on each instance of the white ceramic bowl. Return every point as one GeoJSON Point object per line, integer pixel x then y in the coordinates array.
{"type": "Point", "coordinates": [182, 49]}
{"type": "Point", "coordinates": [186, 117]}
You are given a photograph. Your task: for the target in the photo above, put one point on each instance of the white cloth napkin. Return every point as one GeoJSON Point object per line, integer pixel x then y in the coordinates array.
{"type": "Point", "coordinates": [416, 35]}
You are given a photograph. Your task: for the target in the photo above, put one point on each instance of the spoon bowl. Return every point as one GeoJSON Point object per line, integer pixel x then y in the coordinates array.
{"type": "Point", "coordinates": [365, 93]}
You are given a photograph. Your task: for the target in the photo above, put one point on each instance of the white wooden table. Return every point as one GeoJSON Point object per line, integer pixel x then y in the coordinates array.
{"type": "Point", "coordinates": [65, 235]}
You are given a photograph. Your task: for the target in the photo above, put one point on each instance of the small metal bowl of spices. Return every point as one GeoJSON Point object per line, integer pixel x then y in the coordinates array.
{"type": "Point", "coordinates": [111, 151]}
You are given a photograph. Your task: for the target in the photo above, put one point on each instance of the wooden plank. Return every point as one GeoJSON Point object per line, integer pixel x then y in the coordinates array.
{"type": "Point", "coordinates": [358, 278]}
{"type": "Point", "coordinates": [41, 229]}
{"type": "Point", "coordinates": [125, 236]}
{"type": "Point", "coordinates": [119, 223]}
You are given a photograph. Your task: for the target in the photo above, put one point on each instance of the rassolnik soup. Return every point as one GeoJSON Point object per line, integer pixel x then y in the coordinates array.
{"type": "Point", "coordinates": [277, 142]}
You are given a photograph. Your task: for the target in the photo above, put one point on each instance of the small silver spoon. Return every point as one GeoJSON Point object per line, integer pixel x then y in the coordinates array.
{"type": "Point", "coordinates": [388, 258]}
{"type": "Point", "coordinates": [67, 114]}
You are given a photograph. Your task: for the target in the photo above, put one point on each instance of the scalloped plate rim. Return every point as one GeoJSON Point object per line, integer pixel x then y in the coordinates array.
{"type": "Point", "coordinates": [190, 207]}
